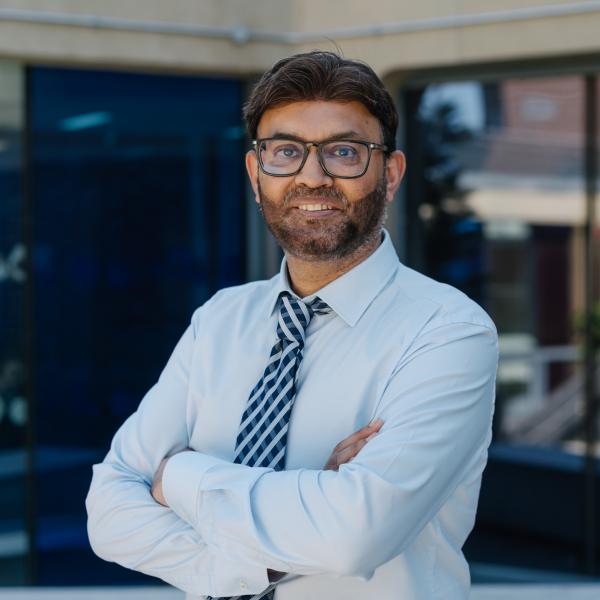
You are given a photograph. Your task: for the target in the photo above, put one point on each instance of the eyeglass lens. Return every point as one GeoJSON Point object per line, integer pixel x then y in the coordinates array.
{"type": "Point", "coordinates": [341, 158]}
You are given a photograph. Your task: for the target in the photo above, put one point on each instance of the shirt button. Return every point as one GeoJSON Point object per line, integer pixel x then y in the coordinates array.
{"type": "Point", "coordinates": [243, 585]}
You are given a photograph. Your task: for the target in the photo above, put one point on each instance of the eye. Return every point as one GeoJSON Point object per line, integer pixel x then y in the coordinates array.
{"type": "Point", "coordinates": [342, 151]}
{"type": "Point", "coordinates": [287, 151]}
{"type": "Point", "coordinates": [345, 151]}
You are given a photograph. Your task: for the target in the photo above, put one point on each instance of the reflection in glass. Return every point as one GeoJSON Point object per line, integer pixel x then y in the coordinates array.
{"type": "Point", "coordinates": [137, 196]}
{"type": "Point", "coordinates": [503, 218]}
{"type": "Point", "coordinates": [13, 402]}
{"type": "Point", "coordinates": [498, 210]}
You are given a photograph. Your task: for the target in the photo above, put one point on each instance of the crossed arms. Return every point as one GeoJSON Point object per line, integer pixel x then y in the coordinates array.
{"type": "Point", "coordinates": [342, 453]}
{"type": "Point", "coordinates": [228, 523]}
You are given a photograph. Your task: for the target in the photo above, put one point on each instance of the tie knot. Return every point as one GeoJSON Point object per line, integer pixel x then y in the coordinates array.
{"type": "Point", "coordinates": [318, 307]}
{"type": "Point", "coordinates": [295, 315]}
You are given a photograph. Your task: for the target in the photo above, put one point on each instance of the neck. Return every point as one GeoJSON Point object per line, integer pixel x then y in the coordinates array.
{"type": "Point", "coordinates": [308, 276]}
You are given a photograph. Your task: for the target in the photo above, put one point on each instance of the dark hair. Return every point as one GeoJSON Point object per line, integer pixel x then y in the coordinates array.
{"type": "Point", "coordinates": [320, 75]}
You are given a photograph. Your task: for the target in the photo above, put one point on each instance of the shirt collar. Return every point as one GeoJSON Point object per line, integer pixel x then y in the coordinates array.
{"type": "Point", "coordinates": [350, 294]}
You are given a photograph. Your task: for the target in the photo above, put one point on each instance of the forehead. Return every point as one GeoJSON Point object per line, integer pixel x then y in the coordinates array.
{"type": "Point", "coordinates": [319, 119]}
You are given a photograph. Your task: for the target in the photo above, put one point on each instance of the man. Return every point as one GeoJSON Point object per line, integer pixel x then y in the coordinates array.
{"type": "Point", "coordinates": [216, 484]}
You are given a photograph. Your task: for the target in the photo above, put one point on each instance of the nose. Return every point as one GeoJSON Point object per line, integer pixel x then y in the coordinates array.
{"type": "Point", "coordinates": [312, 174]}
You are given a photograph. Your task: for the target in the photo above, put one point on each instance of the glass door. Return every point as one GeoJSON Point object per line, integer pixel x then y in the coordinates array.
{"type": "Point", "coordinates": [497, 208]}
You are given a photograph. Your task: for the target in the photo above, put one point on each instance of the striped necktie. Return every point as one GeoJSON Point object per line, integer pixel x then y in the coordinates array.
{"type": "Point", "coordinates": [261, 441]}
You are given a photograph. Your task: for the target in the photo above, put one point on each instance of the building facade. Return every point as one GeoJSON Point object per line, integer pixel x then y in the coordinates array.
{"type": "Point", "coordinates": [124, 205]}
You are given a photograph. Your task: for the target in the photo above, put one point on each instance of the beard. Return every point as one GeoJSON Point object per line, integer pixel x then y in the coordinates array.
{"type": "Point", "coordinates": [330, 238]}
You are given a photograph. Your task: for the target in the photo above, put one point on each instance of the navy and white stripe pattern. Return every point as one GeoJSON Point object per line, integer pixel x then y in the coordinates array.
{"type": "Point", "coordinates": [262, 437]}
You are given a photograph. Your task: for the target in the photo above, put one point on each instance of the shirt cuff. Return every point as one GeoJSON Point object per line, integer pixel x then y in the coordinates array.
{"type": "Point", "coordinates": [232, 578]}
{"type": "Point", "coordinates": [182, 481]}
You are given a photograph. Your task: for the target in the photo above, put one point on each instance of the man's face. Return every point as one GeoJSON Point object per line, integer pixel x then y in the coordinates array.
{"type": "Point", "coordinates": [357, 205]}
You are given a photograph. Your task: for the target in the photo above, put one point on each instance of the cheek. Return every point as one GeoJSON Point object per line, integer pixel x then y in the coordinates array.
{"type": "Point", "coordinates": [274, 188]}
{"type": "Point", "coordinates": [357, 190]}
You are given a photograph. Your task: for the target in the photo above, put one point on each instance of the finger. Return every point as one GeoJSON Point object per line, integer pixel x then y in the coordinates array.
{"type": "Point", "coordinates": [364, 432]}
{"type": "Point", "coordinates": [349, 453]}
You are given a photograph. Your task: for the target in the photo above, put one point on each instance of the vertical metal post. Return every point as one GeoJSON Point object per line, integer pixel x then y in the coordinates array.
{"type": "Point", "coordinates": [30, 475]}
{"type": "Point", "coordinates": [591, 405]}
{"type": "Point", "coordinates": [211, 198]}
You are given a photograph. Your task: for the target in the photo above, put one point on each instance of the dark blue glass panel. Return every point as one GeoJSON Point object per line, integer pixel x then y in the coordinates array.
{"type": "Point", "coordinates": [137, 192]}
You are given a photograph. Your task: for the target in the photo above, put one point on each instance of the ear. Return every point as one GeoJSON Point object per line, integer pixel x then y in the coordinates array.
{"type": "Point", "coordinates": [252, 169]}
{"type": "Point", "coordinates": [394, 170]}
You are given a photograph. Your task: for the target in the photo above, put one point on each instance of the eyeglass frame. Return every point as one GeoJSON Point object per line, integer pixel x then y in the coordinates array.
{"type": "Point", "coordinates": [306, 144]}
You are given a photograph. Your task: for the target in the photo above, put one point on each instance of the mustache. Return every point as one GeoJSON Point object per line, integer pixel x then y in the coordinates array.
{"type": "Point", "coordinates": [305, 192]}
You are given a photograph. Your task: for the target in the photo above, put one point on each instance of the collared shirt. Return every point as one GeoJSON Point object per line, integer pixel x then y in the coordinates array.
{"type": "Point", "coordinates": [390, 524]}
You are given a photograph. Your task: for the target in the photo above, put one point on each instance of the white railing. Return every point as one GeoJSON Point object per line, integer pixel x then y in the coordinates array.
{"type": "Point", "coordinates": [539, 361]}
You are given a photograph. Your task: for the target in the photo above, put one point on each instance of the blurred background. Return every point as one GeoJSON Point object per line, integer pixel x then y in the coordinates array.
{"type": "Point", "coordinates": [124, 205]}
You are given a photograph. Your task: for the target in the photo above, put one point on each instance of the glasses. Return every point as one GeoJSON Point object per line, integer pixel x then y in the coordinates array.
{"type": "Point", "coordinates": [345, 159]}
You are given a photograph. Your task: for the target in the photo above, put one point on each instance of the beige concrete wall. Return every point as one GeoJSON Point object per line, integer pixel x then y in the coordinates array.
{"type": "Point", "coordinates": [432, 47]}
{"type": "Point", "coordinates": [110, 47]}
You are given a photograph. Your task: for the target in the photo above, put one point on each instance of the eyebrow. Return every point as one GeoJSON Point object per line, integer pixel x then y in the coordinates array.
{"type": "Point", "coordinates": [343, 135]}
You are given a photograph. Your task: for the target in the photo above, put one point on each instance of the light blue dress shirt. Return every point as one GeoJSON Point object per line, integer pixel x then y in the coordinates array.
{"type": "Point", "coordinates": [388, 525]}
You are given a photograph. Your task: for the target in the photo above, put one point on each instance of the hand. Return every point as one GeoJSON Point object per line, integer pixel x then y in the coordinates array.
{"type": "Point", "coordinates": [344, 452]}
{"type": "Point", "coordinates": [349, 447]}
{"type": "Point", "coordinates": [156, 490]}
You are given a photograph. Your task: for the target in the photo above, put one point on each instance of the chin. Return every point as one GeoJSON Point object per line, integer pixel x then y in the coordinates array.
{"type": "Point", "coordinates": [324, 246]}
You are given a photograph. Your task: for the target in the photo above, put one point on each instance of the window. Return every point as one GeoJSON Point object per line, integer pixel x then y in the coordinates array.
{"type": "Point", "coordinates": [137, 202]}
{"type": "Point", "coordinates": [497, 208]}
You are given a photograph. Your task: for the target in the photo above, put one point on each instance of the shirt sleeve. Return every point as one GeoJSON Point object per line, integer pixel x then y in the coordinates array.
{"type": "Point", "coordinates": [437, 410]}
{"type": "Point", "coordinates": [127, 526]}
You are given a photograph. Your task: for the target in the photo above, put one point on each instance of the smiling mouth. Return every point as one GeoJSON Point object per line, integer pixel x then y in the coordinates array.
{"type": "Point", "coordinates": [316, 207]}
